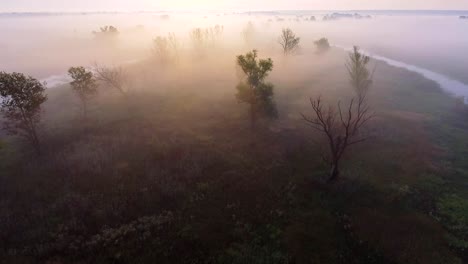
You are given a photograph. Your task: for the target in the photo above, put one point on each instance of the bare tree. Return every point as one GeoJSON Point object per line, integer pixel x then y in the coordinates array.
{"type": "Point", "coordinates": [203, 38]}
{"type": "Point", "coordinates": [199, 40]}
{"type": "Point", "coordinates": [174, 45]}
{"type": "Point", "coordinates": [166, 49]}
{"type": "Point", "coordinates": [214, 34]}
{"type": "Point", "coordinates": [288, 41]}
{"type": "Point", "coordinates": [21, 100]}
{"type": "Point", "coordinates": [343, 127]}
{"type": "Point", "coordinates": [115, 78]}
{"type": "Point", "coordinates": [161, 49]}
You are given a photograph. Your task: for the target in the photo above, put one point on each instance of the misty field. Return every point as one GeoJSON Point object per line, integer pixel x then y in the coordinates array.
{"type": "Point", "coordinates": [199, 151]}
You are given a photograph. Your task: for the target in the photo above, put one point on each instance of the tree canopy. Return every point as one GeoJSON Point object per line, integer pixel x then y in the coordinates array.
{"type": "Point", "coordinates": [21, 100]}
{"type": "Point", "coordinates": [254, 90]}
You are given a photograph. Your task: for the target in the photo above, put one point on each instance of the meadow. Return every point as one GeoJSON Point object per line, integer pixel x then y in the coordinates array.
{"type": "Point", "coordinates": [170, 171]}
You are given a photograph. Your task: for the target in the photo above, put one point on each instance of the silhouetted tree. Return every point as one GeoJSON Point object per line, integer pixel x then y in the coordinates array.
{"type": "Point", "coordinates": [106, 32]}
{"type": "Point", "coordinates": [288, 41]}
{"type": "Point", "coordinates": [21, 100]}
{"type": "Point", "coordinates": [248, 33]}
{"type": "Point", "coordinates": [322, 45]}
{"type": "Point", "coordinates": [253, 90]}
{"type": "Point", "coordinates": [161, 49]}
{"type": "Point", "coordinates": [166, 49]}
{"type": "Point", "coordinates": [343, 127]}
{"type": "Point", "coordinates": [215, 33]}
{"type": "Point", "coordinates": [85, 86]}
{"type": "Point", "coordinates": [115, 78]}
{"type": "Point", "coordinates": [174, 44]}
{"type": "Point", "coordinates": [202, 38]}
{"type": "Point", "coordinates": [360, 76]}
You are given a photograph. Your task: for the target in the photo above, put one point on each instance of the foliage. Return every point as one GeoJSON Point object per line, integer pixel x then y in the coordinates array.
{"type": "Point", "coordinates": [84, 85]}
{"type": "Point", "coordinates": [106, 32]}
{"type": "Point", "coordinates": [322, 45]}
{"type": "Point", "coordinates": [254, 91]}
{"type": "Point", "coordinates": [359, 74]}
{"type": "Point", "coordinates": [288, 41]}
{"type": "Point", "coordinates": [21, 100]}
{"type": "Point", "coordinates": [180, 182]}
{"type": "Point", "coordinates": [121, 242]}
{"type": "Point", "coordinates": [166, 49]}
{"type": "Point", "coordinates": [453, 211]}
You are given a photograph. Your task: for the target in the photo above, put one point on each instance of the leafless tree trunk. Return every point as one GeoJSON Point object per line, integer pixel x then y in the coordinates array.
{"type": "Point", "coordinates": [288, 41]}
{"type": "Point", "coordinates": [115, 78]}
{"type": "Point", "coordinates": [341, 127]}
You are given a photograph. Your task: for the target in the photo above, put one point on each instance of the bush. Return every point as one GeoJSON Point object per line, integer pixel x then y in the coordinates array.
{"type": "Point", "coordinates": [322, 45]}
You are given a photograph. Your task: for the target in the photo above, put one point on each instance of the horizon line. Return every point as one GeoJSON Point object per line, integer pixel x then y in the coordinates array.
{"type": "Point", "coordinates": [226, 10]}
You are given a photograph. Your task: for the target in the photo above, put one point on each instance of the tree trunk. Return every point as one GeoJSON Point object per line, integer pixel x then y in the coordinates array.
{"type": "Point", "coordinates": [334, 173]}
{"type": "Point", "coordinates": [36, 143]}
{"type": "Point", "coordinates": [253, 117]}
{"type": "Point", "coordinates": [85, 110]}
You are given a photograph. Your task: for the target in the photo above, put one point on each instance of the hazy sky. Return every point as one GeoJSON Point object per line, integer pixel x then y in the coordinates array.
{"type": "Point", "coordinates": [133, 5]}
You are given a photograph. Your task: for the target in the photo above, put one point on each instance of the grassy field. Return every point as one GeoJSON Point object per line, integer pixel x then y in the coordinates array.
{"type": "Point", "coordinates": [174, 174]}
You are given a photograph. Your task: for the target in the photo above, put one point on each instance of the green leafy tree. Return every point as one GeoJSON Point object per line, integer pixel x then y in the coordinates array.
{"type": "Point", "coordinates": [253, 90]}
{"type": "Point", "coordinates": [20, 104]}
{"type": "Point", "coordinates": [360, 76]}
{"type": "Point", "coordinates": [85, 86]}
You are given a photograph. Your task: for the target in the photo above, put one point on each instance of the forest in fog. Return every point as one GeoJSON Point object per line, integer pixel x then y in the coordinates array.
{"type": "Point", "coordinates": [228, 139]}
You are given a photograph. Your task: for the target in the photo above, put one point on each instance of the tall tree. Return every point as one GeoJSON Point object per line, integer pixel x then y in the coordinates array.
{"type": "Point", "coordinates": [359, 74]}
{"type": "Point", "coordinates": [248, 34]}
{"type": "Point", "coordinates": [85, 86]}
{"type": "Point", "coordinates": [21, 100]}
{"type": "Point", "coordinates": [288, 41]}
{"type": "Point", "coordinates": [343, 127]}
{"type": "Point", "coordinates": [253, 90]}
{"type": "Point", "coordinates": [113, 77]}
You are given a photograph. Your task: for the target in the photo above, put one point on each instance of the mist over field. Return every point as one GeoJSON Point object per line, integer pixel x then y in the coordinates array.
{"type": "Point", "coordinates": [50, 39]}
{"type": "Point", "coordinates": [234, 137]}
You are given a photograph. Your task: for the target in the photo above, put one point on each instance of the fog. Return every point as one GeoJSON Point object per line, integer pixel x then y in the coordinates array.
{"type": "Point", "coordinates": [46, 45]}
{"type": "Point", "coordinates": [213, 138]}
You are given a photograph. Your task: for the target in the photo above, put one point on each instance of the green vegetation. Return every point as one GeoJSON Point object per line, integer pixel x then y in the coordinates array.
{"type": "Point", "coordinates": [84, 85]}
{"type": "Point", "coordinates": [21, 99]}
{"type": "Point", "coordinates": [253, 90]}
{"type": "Point", "coordinates": [182, 179]}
